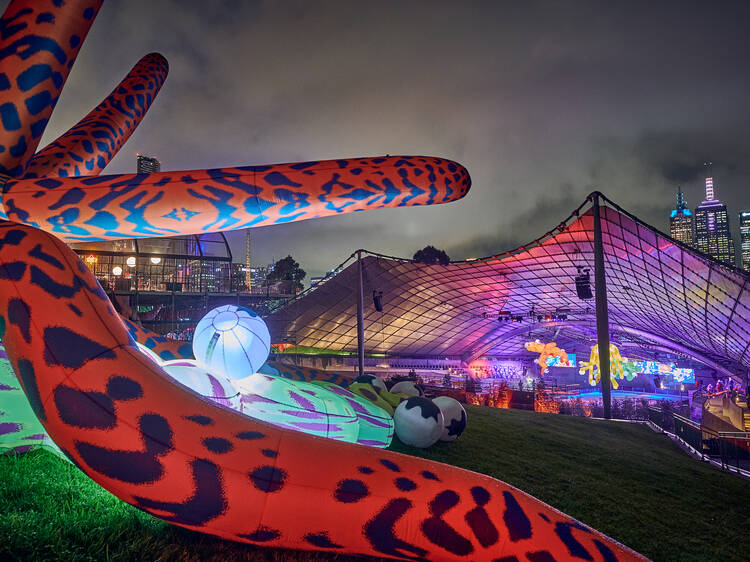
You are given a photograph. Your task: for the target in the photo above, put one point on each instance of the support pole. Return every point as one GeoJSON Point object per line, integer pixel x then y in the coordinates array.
{"type": "Point", "coordinates": [360, 316]}
{"type": "Point", "coordinates": [602, 313]}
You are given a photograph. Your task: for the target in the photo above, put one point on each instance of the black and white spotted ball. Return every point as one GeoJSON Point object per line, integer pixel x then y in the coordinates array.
{"type": "Point", "coordinates": [418, 422]}
{"type": "Point", "coordinates": [454, 417]}
{"type": "Point", "coordinates": [407, 387]}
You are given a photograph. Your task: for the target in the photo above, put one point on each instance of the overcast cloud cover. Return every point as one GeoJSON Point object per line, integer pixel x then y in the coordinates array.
{"type": "Point", "coordinates": [543, 102]}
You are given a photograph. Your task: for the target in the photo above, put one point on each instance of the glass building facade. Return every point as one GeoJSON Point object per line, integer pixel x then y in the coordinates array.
{"type": "Point", "coordinates": [745, 240]}
{"type": "Point", "coordinates": [712, 233]}
{"type": "Point", "coordinates": [681, 223]}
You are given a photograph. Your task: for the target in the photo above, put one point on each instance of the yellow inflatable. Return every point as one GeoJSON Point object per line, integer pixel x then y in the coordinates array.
{"type": "Point", "coordinates": [594, 368]}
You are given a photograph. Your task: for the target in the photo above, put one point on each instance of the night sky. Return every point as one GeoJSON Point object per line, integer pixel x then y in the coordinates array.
{"type": "Point", "coordinates": [543, 102]}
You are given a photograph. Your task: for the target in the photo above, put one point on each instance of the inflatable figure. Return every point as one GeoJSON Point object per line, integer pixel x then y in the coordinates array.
{"type": "Point", "coordinates": [593, 366]}
{"type": "Point", "coordinates": [232, 341]}
{"type": "Point", "coordinates": [20, 431]}
{"type": "Point", "coordinates": [454, 417]}
{"type": "Point", "coordinates": [216, 388]}
{"type": "Point", "coordinates": [547, 351]}
{"type": "Point", "coordinates": [299, 406]}
{"type": "Point", "coordinates": [409, 388]}
{"type": "Point", "coordinates": [162, 447]}
{"type": "Point", "coordinates": [375, 424]}
{"type": "Point", "coordinates": [418, 422]}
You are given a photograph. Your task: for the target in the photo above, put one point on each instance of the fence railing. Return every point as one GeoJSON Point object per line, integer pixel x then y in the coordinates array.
{"type": "Point", "coordinates": [730, 449]}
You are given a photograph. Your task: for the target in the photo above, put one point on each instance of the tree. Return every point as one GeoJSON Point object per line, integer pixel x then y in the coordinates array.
{"type": "Point", "coordinates": [287, 269]}
{"type": "Point", "coordinates": [430, 255]}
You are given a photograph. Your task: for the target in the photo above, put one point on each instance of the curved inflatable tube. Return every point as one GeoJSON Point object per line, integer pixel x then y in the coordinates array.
{"type": "Point", "coordinates": [90, 144]}
{"type": "Point", "coordinates": [161, 447]}
{"type": "Point", "coordinates": [38, 46]}
{"type": "Point", "coordinates": [375, 424]}
{"type": "Point", "coordinates": [222, 199]}
{"type": "Point", "coordinates": [20, 431]}
{"type": "Point", "coordinates": [299, 406]}
{"type": "Point", "coordinates": [307, 374]}
{"type": "Point", "coordinates": [369, 392]}
{"type": "Point", "coordinates": [215, 388]}
{"type": "Point", "coordinates": [165, 348]}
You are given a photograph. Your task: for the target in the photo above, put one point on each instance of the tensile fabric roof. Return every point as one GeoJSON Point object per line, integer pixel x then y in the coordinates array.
{"type": "Point", "coordinates": [663, 296]}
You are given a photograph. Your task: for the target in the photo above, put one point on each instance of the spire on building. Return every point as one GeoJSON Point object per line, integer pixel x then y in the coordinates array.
{"type": "Point", "coordinates": [710, 189]}
{"type": "Point", "coordinates": [681, 203]}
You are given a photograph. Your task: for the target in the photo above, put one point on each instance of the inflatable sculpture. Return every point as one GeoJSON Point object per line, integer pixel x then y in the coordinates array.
{"type": "Point", "coordinates": [548, 351]}
{"type": "Point", "coordinates": [154, 443]}
{"type": "Point", "coordinates": [593, 366]}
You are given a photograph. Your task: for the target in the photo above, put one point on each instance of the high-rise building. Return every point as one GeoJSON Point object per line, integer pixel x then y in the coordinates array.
{"type": "Point", "coordinates": [147, 164]}
{"type": "Point", "coordinates": [681, 224]}
{"type": "Point", "coordinates": [745, 240]}
{"type": "Point", "coordinates": [712, 234]}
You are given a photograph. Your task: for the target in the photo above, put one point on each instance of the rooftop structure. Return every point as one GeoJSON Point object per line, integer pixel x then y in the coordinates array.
{"type": "Point", "coordinates": [663, 297]}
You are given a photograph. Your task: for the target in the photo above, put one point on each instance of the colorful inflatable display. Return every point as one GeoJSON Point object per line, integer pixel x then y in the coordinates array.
{"type": "Point", "coordinates": [299, 406]}
{"type": "Point", "coordinates": [162, 447]}
{"type": "Point", "coordinates": [419, 422]}
{"type": "Point", "coordinates": [232, 341]}
{"type": "Point", "coordinates": [375, 424]}
{"type": "Point", "coordinates": [20, 431]}
{"type": "Point", "coordinates": [454, 417]}
{"type": "Point", "coordinates": [593, 366]}
{"type": "Point", "coordinates": [213, 387]}
{"type": "Point", "coordinates": [546, 352]}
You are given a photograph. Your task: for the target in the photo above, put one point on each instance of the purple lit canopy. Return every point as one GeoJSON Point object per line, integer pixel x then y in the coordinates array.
{"type": "Point", "coordinates": [663, 297]}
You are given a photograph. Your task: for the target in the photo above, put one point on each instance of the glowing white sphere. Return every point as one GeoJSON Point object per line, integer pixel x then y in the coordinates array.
{"type": "Point", "coordinates": [130, 261]}
{"type": "Point", "coordinates": [117, 270]}
{"type": "Point", "coordinates": [216, 388]}
{"type": "Point", "coordinates": [231, 341]}
{"type": "Point", "coordinates": [372, 380]}
{"type": "Point", "coordinates": [418, 422]}
{"type": "Point", "coordinates": [454, 417]}
{"type": "Point", "coordinates": [408, 388]}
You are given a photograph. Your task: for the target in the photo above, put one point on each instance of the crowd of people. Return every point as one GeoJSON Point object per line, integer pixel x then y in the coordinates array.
{"type": "Point", "coordinates": [729, 386]}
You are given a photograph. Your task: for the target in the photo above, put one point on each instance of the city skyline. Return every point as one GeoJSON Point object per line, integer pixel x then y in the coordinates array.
{"type": "Point", "coordinates": [543, 103]}
{"type": "Point", "coordinates": [710, 228]}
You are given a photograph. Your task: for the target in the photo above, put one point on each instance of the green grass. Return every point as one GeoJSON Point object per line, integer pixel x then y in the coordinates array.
{"type": "Point", "coordinates": [622, 479]}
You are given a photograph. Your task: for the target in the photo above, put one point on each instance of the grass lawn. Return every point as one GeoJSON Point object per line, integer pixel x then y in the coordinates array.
{"type": "Point", "coordinates": [622, 479]}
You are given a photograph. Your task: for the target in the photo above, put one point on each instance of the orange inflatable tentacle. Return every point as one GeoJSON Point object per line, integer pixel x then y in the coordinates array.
{"type": "Point", "coordinates": [38, 46]}
{"type": "Point", "coordinates": [208, 468]}
{"type": "Point", "coordinates": [89, 146]}
{"type": "Point", "coordinates": [199, 201]}
{"type": "Point", "coordinates": [166, 348]}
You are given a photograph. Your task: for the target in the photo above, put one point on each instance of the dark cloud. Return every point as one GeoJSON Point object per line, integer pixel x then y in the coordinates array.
{"type": "Point", "coordinates": [528, 225]}
{"type": "Point", "coordinates": [542, 101]}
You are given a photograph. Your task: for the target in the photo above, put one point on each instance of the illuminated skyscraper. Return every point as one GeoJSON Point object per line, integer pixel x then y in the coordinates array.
{"type": "Point", "coordinates": [147, 164]}
{"type": "Point", "coordinates": [712, 235]}
{"type": "Point", "coordinates": [681, 222]}
{"type": "Point", "coordinates": [745, 240]}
